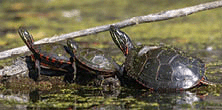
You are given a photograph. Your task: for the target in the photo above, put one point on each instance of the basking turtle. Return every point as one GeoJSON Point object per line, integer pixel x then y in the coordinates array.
{"type": "Point", "coordinates": [93, 61]}
{"type": "Point", "coordinates": [158, 67]}
{"type": "Point", "coordinates": [50, 56]}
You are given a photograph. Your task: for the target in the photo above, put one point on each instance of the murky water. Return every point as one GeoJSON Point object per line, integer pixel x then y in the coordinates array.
{"type": "Point", "coordinates": [89, 98]}
{"type": "Point", "coordinates": [67, 16]}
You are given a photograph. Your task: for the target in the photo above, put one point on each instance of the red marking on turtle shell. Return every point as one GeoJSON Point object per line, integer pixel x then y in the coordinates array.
{"type": "Point", "coordinates": [47, 58]}
{"type": "Point", "coordinates": [61, 61]}
{"type": "Point", "coordinates": [41, 55]}
{"type": "Point", "coordinates": [53, 60]}
{"type": "Point", "coordinates": [144, 85]}
{"type": "Point", "coordinates": [43, 64]}
{"type": "Point", "coordinates": [68, 62]}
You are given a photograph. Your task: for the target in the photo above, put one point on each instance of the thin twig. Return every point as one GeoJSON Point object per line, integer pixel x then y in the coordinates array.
{"type": "Point", "coordinates": [128, 22]}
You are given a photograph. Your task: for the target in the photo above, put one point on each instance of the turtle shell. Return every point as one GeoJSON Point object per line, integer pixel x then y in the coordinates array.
{"type": "Point", "coordinates": [53, 55]}
{"type": "Point", "coordinates": [163, 67]}
{"type": "Point", "coordinates": [95, 61]}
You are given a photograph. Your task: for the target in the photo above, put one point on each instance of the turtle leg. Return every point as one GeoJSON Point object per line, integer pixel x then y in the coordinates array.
{"type": "Point", "coordinates": [109, 83]}
{"type": "Point", "coordinates": [71, 76]}
{"type": "Point", "coordinates": [74, 70]}
{"type": "Point", "coordinates": [120, 72]}
{"type": "Point", "coordinates": [120, 69]}
{"type": "Point", "coordinates": [37, 70]}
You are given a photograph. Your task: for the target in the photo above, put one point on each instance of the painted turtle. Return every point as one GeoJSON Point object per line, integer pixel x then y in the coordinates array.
{"type": "Point", "coordinates": [93, 61]}
{"type": "Point", "coordinates": [50, 56]}
{"type": "Point", "coordinates": [158, 67]}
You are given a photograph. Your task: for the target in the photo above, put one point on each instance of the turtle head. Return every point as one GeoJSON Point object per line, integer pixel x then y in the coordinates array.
{"type": "Point", "coordinates": [121, 39]}
{"type": "Point", "coordinates": [26, 37]}
{"type": "Point", "coordinates": [72, 46]}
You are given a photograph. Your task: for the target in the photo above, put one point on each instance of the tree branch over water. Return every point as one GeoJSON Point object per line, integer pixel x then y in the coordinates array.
{"type": "Point", "coordinates": [128, 22]}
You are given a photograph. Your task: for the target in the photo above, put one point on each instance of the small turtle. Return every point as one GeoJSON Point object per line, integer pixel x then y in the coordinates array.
{"type": "Point", "coordinates": [94, 61]}
{"type": "Point", "coordinates": [158, 67]}
{"type": "Point", "coordinates": [50, 56]}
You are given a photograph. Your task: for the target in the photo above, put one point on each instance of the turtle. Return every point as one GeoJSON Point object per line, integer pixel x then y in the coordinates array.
{"type": "Point", "coordinates": [52, 56]}
{"type": "Point", "coordinates": [95, 62]}
{"type": "Point", "coordinates": [158, 67]}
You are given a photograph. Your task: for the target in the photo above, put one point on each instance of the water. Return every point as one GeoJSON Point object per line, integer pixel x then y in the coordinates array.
{"type": "Point", "coordinates": [97, 99]}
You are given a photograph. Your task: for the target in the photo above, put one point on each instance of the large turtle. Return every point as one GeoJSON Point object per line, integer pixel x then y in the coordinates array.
{"type": "Point", "coordinates": [158, 67]}
{"type": "Point", "coordinates": [52, 56]}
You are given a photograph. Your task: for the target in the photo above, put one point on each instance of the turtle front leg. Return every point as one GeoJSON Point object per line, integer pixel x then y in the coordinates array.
{"type": "Point", "coordinates": [74, 70]}
{"type": "Point", "coordinates": [71, 76]}
{"type": "Point", "coordinates": [109, 83]}
{"type": "Point", "coordinates": [37, 70]}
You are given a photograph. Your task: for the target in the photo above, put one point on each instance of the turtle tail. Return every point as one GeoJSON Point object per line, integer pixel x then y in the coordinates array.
{"type": "Point", "coordinates": [204, 81]}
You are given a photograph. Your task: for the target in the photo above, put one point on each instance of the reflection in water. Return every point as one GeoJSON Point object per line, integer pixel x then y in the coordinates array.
{"type": "Point", "coordinates": [34, 96]}
{"type": "Point", "coordinates": [169, 100]}
{"type": "Point", "coordinates": [97, 99]}
{"type": "Point", "coordinates": [12, 101]}
{"type": "Point", "coordinates": [187, 98]}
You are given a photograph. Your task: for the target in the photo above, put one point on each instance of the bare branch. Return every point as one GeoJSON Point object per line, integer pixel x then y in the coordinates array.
{"type": "Point", "coordinates": [128, 22]}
